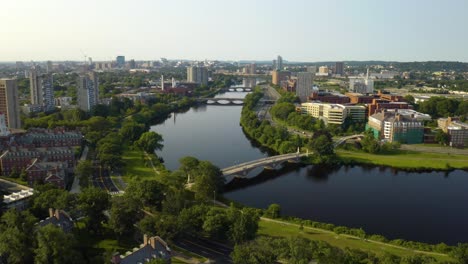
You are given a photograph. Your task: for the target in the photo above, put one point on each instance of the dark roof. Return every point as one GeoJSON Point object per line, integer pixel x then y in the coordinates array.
{"type": "Point", "coordinates": [146, 252]}
{"type": "Point", "coordinates": [64, 221]}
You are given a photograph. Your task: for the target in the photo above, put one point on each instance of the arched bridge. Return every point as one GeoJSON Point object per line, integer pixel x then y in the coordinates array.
{"type": "Point", "coordinates": [343, 139]}
{"type": "Point", "coordinates": [236, 89]}
{"type": "Point", "coordinates": [222, 101]}
{"type": "Point", "coordinates": [269, 162]}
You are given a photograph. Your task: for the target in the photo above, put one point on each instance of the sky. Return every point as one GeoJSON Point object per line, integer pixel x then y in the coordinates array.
{"type": "Point", "coordinates": [298, 30]}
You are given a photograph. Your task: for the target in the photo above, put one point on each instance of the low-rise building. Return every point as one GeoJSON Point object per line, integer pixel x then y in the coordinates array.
{"type": "Point", "coordinates": [47, 172]}
{"type": "Point", "coordinates": [152, 248]}
{"type": "Point", "coordinates": [334, 113]}
{"type": "Point", "coordinates": [41, 137]}
{"type": "Point", "coordinates": [58, 218]}
{"type": "Point", "coordinates": [327, 97]}
{"type": "Point", "coordinates": [457, 131]}
{"type": "Point", "coordinates": [18, 158]}
{"type": "Point", "coordinates": [17, 199]}
{"type": "Point", "coordinates": [394, 126]}
{"type": "Point", "coordinates": [379, 104]}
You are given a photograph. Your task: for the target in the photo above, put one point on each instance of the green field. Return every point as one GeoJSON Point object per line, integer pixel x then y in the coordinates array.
{"type": "Point", "coordinates": [285, 229]}
{"type": "Point", "coordinates": [407, 159]}
{"type": "Point", "coordinates": [137, 165]}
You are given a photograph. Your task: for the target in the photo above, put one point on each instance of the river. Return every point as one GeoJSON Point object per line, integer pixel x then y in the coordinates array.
{"type": "Point", "coordinates": [430, 207]}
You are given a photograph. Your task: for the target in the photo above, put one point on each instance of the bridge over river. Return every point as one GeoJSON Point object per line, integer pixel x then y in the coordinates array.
{"type": "Point", "coordinates": [243, 169]}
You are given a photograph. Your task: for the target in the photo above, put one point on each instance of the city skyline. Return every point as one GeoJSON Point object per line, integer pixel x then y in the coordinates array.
{"type": "Point", "coordinates": [309, 31]}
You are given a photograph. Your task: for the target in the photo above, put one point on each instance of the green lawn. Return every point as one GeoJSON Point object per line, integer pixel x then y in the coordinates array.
{"type": "Point", "coordinates": [102, 245]}
{"type": "Point", "coordinates": [408, 159]}
{"type": "Point", "coordinates": [342, 241]}
{"type": "Point", "coordinates": [137, 165]}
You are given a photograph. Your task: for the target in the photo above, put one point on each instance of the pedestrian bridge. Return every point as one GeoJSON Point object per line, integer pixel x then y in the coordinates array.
{"type": "Point", "coordinates": [272, 162]}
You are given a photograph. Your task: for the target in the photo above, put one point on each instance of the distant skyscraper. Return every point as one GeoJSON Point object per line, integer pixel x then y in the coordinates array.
{"type": "Point", "coordinates": [279, 63]}
{"type": "Point", "coordinates": [274, 65]}
{"type": "Point", "coordinates": [41, 89]}
{"type": "Point", "coordinates": [312, 69]}
{"type": "Point", "coordinates": [197, 75]}
{"type": "Point", "coordinates": [305, 81]}
{"type": "Point", "coordinates": [162, 82]}
{"type": "Point", "coordinates": [9, 103]}
{"type": "Point", "coordinates": [87, 90]}
{"type": "Point", "coordinates": [132, 64]}
{"type": "Point", "coordinates": [120, 61]}
{"type": "Point", "coordinates": [49, 66]}
{"type": "Point", "coordinates": [339, 68]}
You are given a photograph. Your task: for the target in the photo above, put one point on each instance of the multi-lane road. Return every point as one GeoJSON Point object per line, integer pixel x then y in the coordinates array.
{"type": "Point", "coordinates": [215, 251]}
{"type": "Point", "coordinates": [101, 179]}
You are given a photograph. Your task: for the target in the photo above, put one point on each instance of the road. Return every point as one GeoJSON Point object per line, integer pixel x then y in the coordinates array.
{"type": "Point", "coordinates": [215, 251]}
{"type": "Point", "coordinates": [76, 181]}
{"type": "Point", "coordinates": [101, 179]}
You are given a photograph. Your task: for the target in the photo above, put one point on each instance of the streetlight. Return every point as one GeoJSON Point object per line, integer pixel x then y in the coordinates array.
{"type": "Point", "coordinates": [214, 197]}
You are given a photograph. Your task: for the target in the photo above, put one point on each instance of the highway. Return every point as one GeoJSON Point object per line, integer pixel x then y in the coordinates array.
{"type": "Point", "coordinates": [215, 251]}
{"type": "Point", "coordinates": [101, 179]}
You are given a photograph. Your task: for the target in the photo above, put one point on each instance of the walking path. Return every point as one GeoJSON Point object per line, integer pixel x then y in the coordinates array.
{"type": "Point", "coordinates": [76, 181]}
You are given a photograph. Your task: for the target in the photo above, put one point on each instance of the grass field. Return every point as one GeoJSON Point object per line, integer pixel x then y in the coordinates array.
{"type": "Point", "coordinates": [276, 229]}
{"type": "Point", "coordinates": [408, 159]}
{"type": "Point", "coordinates": [138, 165]}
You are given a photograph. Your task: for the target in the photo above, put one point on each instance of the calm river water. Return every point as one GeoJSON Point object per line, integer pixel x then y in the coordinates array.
{"type": "Point", "coordinates": [430, 206]}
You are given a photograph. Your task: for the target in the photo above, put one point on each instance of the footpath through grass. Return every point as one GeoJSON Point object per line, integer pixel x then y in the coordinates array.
{"type": "Point", "coordinates": [138, 165]}
{"type": "Point", "coordinates": [407, 159]}
{"type": "Point", "coordinates": [280, 228]}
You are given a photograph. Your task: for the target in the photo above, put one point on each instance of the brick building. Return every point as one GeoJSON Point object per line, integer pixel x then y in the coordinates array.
{"type": "Point", "coordinates": [20, 158]}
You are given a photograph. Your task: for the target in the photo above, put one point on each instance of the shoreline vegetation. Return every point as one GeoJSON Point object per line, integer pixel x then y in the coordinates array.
{"type": "Point", "coordinates": [399, 159]}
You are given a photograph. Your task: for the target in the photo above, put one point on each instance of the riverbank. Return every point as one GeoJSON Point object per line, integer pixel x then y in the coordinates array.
{"type": "Point", "coordinates": [281, 228]}
{"type": "Point", "coordinates": [407, 160]}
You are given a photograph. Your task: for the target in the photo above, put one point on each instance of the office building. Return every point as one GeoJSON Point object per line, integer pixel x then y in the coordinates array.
{"type": "Point", "coordinates": [312, 69]}
{"type": "Point", "coordinates": [334, 113]}
{"type": "Point", "coordinates": [393, 126]}
{"type": "Point", "coordinates": [339, 68]}
{"type": "Point", "coordinates": [197, 74]}
{"type": "Point", "coordinates": [132, 64]}
{"type": "Point", "coordinates": [120, 61]}
{"type": "Point", "coordinates": [9, 103]}
{"type": "Point", "coordinates": [279, 63]}
{"type": "Point", "coordinates": [361, 85]}
{"type": "Point", "coordinates": [87, 90]}
{"type": "Point", "coordinates": [323, 71]}
{"type": "Point", "coordinates": [457, 131]}
{"type": "Point", "coordinates": [305, 81]}
{"type": "Point", "coordinates": [279, 76]}
{"type": "Point", "coordinates": [41, 89]}
{"type": "Point", "coordinates": [49, 67]}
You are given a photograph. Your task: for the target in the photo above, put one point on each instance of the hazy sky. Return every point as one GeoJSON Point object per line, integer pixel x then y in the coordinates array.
{"type": "Point", "coordinates": [299, 30]}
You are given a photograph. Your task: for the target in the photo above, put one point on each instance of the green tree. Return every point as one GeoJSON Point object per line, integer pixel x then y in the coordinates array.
{"type": "Point", "coordinates": [150, 141]}
{"type": "Point", "coordinates": [48, 196]}
{"type": "Point", "coordinates": [93, 202]}
{"type": "Point", "coordinates": [273, 211]}
{"type": "Point", "coordinates": [216, 223]}
{"type": "Point", "coordinates": [244, 224]}
{"type": "Point", "coordinates": [84, 170]}
{"type": "Point", "coordinates": [208, 181]}
{"type": "Point", "coordinates": [460, 253]}
{"type": "Point", "coordinates": [55, 246]}
{"type": "Point", "coordinates": [124, 213]}
{"type": "Point", "coordinates": [147, 192]}
{"type": "Point", "coordinates": [259, 251]}
{"type": "Point", "coordinates": [442, 138]}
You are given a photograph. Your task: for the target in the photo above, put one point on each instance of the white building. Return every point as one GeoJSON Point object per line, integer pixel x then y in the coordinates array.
{"type": "Point", "coordinates": [334, 113]}
{"type": "Point", "coordinates": [87, 91]}
{"type": "Point", "coordinates": [361, 85]}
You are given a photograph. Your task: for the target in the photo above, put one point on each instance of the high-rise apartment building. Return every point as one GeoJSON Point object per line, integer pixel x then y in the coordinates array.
{"type": "Point", "coordinates": [278, 76]}
{"type": "Point", "coordinates": [120, 61]}
{"type": "Point", "coordinates": [339, 68]}
{"type": "Point", "coordinates": [197, 75]}
{"type": "Point", "coordinates": [305, 81]}
{"type": "Point", "coordinates": [42, 89]}
{"type": "Point", "coordinates": [87, 90]}
{"type": "Point", "coordinates": [279, 63]}
{"type": "Point", "coordinates": [9, 103]}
